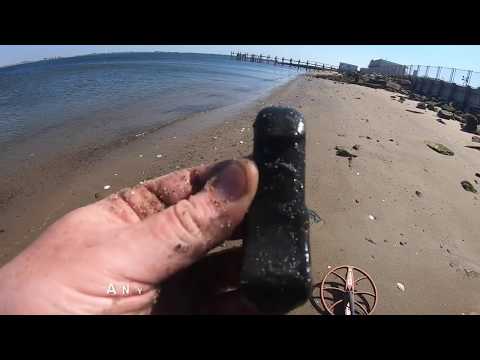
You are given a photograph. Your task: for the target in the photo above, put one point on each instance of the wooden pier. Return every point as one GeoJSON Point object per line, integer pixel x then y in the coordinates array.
{"type": "Point", "coordinates": [267, 59]}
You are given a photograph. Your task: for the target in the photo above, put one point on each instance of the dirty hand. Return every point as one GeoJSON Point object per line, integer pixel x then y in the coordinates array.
{"type": "Point", "coordinates": [131, 252]}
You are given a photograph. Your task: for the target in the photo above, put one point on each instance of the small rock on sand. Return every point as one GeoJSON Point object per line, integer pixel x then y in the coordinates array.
{"type": "Point", "coordinates": [467, 186]}
{"type": "Point", "coordinates": [442, 149]}
{"type": "Point", "coordinates": [445, 114]}
{"type": "Point", "coordinates": [400, 286]}
{"type": "Point", "coordinates": [159, 156]}
{"type": "Point", "coordinates": [421, 105]}
{"type": "Point", "coordinates": [314, 216]}
{"type": "Point", "coordinates": [418, 193]}
{"type": "Point", "coordinates": [371, 217]}
{"type": "Point", "coordinates": [414, 111]}
{"type": "Point", "coordinates": [370, 241]}
{"type": "Point", "coordinates": [476, 139]}
{"type": "Point", "coordinates": [356, 147]}
{"type": "Point", "coordinates": [344, 153]}
{"type": "Point", "coordinates": [106, 187]}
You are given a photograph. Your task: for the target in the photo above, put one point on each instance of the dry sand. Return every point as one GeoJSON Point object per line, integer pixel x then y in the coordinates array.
{"type": "Point", "coordinates": [439, 261]}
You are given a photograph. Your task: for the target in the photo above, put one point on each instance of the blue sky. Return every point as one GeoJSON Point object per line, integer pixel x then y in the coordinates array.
{"type": "Point", "coordinates": [463, 57]}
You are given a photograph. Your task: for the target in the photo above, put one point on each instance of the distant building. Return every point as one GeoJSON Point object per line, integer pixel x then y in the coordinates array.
{"type": "Point", "coordinates": [385, 67]}
{"type": "Point", "coordinates": [348, 68]}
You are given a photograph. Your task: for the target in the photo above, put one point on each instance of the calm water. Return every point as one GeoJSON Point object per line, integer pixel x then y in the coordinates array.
{"type": "Point", "coordinates": [102, 96]}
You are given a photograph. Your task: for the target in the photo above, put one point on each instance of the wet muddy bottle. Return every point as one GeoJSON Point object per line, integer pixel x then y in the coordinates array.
{"type": "Point", "coordinates": [276, 267]}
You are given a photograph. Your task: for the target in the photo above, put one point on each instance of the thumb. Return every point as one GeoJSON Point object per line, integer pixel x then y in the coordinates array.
{"type": "Point", "coordinates": [181, 234]}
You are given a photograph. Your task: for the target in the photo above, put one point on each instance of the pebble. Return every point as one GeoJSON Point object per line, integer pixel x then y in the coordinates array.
{"type": "Point", "coordinates": [115, 174]}
{"type": "Point", "coordinates": [106, 187]}
{"type": "Point", "coordinates": [241, 142]}
{"type": "Point", "coordinates": [159, 156]}
{"type": "Point", "coordinates": [401, 286]}
{"type": "Point", "coordinates": [358, 173]}
{"type": "Point", "coordinates": [371, 217]}
{"type": "Point", "coordinates": [140, 155]}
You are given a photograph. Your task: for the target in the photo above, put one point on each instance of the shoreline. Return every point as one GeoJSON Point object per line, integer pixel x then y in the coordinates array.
{"type": "Point", "coordinates": [23, 158]}
{"type": "Point", "coordinates": [424, 232]}
{"type": "Point", "coordinates": [69, 181]}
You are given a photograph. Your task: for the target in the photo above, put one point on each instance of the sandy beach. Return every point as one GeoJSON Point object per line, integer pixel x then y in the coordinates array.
{"type": "Point", "coordinates": [426, 229]}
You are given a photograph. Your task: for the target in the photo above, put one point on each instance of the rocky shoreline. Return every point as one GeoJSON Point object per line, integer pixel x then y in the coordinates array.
{"type": "Point", "coordinates": [443, 109]}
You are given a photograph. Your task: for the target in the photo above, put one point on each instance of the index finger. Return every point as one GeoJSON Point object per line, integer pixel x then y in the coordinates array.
{"type": "Point", "coordinates": [136, 203]}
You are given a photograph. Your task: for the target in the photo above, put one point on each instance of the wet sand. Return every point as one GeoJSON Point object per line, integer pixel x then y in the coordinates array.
{"type": "Point", "coordinates": [439, 258]}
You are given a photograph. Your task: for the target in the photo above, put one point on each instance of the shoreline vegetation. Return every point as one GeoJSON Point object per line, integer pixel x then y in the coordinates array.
{"type": "Point", "coordinates": [392, 205]}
